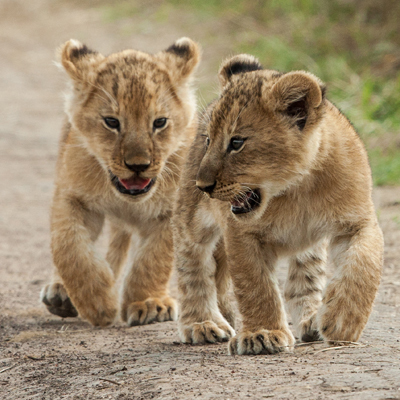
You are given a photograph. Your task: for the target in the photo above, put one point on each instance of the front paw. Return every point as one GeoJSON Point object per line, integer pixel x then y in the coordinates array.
{"type": "Point", "coordinates": [100, 310]}
{"type": "Point", "coordinates": [150, 310]}
{"type": "Point", "coordinates": [205, 332]}
{"type": "Point", "coordinates": [262, 341]}
{"type": "Point", "coordinates": [56, 299]}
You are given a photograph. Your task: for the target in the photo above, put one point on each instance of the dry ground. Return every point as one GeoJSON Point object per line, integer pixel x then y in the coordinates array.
{"type": "Point", "coordinates": [45, 357]}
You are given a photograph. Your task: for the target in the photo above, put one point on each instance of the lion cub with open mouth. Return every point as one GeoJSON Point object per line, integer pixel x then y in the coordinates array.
{"type": "Point", "coordinates": [131, 118]}
{"type": "Point", "coordinates": [281, 172]}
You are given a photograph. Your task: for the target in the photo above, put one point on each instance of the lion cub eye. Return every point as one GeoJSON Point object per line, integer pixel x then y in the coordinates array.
{"type": "Point", "coordinates": [112, 123]}
{"type": "Point", "coordinates": [235, 144]}
{"type": "Point", "coordinates": [159, 123]}
{"type": "Point", "coordinates": [207, 141]}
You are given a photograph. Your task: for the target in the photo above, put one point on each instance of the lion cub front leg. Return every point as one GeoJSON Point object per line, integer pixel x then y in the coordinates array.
{"type": "Point", "coordinates": [55, 296]}
{"type": "Point", "coordinates": [86, 278]}
{"type": "Point", "coordinates": [224, 283]}
{"type": "Point", "coordinates": [303, 291]}
{"type": "Point", "coordinates": [265, 329]}
{"type": "Point", "coordinates": [200, 319]}
{"type": "Point", "coordinates": [145, 297]}
{"type": "Point", "coordinates": [349, 296]}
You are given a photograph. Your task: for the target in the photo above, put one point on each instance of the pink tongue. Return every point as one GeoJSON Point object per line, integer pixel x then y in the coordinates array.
{"type": "Point", "coordinates": [135, 183]}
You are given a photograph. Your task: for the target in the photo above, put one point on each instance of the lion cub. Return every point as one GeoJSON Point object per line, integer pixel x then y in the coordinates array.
{"type": "Point", "coordinates": [281, 172]}
{"type": "Point", "coordinates": [131, 118]}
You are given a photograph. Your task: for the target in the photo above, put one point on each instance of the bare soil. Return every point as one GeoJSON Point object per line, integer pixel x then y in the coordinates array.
{"type": "Point", "coordinates": [45, 357]}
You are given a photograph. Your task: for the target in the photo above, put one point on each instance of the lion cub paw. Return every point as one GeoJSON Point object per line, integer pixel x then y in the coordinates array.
{"type": "Point", "coordinates": [308, 331]}
{"type": "Point", "coordinates": [205, 332]}
{"type": "Point", "coordinates": [150, 310]}
{"type": "Point", "coordinates": [337, 324]}
{"type": "Point", "coordinates": [100, 310]}
{"type": "Point", "coordinates": [261, 342]}
{"type": "Point", "coordinates": [56, 299]}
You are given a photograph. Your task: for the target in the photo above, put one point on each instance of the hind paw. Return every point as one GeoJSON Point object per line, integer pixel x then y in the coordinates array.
{"type": "Point", "coordinates": [150, 310]}
{"type": "Point", "coordinates": [56, 299]}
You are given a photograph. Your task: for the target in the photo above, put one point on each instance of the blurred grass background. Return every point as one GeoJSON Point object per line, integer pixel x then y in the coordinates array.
{"type": "Point", "coordinates": [352, 45]}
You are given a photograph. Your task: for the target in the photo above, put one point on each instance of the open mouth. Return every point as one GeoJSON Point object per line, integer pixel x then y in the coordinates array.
{"type": "Point", "coordinates": [132, 186]}
{"type": "Point", "coordinates": [246, 203]}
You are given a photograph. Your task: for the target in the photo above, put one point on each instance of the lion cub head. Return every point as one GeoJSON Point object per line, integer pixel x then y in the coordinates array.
{"type": "Point", "coordinates": [131, 109]}
{"type": "Point", "coordinates": [261, 135]}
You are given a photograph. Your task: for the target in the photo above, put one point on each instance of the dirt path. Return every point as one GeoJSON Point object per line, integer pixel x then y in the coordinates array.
{"type": "Point", "coordinates": [44, 357]}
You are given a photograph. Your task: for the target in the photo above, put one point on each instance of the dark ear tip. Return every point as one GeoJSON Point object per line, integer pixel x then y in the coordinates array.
{"type": "Point", "coordinates": [74, 50]}
{"type": "Point", "coordinates": [239, 67]}
{"type": "Point", "coordinates": [78, 52]}
{"type": "Point", "coordinates": [180, 51]}
{"type": "Point", "coordinates": [183, 48]}
{"type": "Point", "coordinates": [239, 64]}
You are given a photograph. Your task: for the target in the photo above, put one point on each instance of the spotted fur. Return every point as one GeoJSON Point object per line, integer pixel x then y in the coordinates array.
{"type": "Point", "coordinates": [134, 88]}
{"type": "Point", "coordinates": [310, 171]}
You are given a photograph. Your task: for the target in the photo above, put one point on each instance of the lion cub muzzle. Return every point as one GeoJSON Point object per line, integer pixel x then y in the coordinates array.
{"type": "Point", "coordinates": [143, 178]}
{"type": "Point", "coordinates": [133, 186]}
{"type": "Point", "coordinates": [244, 201]}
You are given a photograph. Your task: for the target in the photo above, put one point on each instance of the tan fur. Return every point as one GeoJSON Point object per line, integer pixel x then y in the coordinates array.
{"type": "Point", "coordinates": [136, 89]}
{"type": "Point", "coordinates": [310, 170]}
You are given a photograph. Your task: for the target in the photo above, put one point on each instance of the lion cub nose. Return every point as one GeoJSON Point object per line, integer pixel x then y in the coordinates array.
{"type": "Point", "coordinates": [206, 188]}
{"type": "Point", "coordinates": [137, 167]}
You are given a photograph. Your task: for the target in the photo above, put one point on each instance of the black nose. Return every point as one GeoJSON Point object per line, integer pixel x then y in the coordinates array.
{"type": "Point", "coordinates": [137, 167]}
{"type": "Point", "coordinates": [208, 189]}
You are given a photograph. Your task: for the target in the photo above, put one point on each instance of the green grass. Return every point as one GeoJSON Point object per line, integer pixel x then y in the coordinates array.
{"type": "Point", "coordinates": [120, 9]}
{"type": "Point", "coordinates": [385, 167]}
{"type": "Point", "coordinates": [396, 220]}
{"type": "Point", "coordinates": [351, 45]}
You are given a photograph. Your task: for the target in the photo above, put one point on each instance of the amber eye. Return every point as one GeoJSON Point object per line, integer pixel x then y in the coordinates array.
{"type": "Point", "coordinates": [235, 144]}
{"type": "Point", "coordinates": [112, 123]}
{"type": "Point", "coordinates": [159, 123]}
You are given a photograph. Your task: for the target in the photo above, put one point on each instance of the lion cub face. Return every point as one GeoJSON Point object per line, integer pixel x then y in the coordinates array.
{"type": "Point", "coordinates": [262, 135]}
{"type": "Point", "coordinates": [131, 109]}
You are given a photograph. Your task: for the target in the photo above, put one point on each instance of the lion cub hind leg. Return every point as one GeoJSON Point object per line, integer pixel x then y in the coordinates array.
{"type": "Point", "coordinates": [265, 328]}
{"type": "Point", "coordinates": [120, 241]}
{"type": "Point", "coordinates": [303, 291]}
{"type": "Point", "coordinates": [145, 297]}
{"type": "Point", "coordinates": [159, 309]}
{"type": "Point", "coordinates": [56, 299]}
{"type": "Point", "coordinates": [348, 298]}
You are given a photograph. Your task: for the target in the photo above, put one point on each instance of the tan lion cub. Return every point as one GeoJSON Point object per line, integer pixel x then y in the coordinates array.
{"type": "Point", "coordinates": [131, 118]}
{"type": "Point", "coordinates": [285, 175]}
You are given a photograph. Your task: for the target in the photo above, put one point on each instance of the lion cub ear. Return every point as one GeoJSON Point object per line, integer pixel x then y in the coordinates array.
{"type": "Point", "coordinates": [78, 60]}
{"type": "Point", "coordinates": [296, 94]}
{"type": "Point", "coordinates": [181, 59]}
{"type": "Point", "coordinates": [239, 64]}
